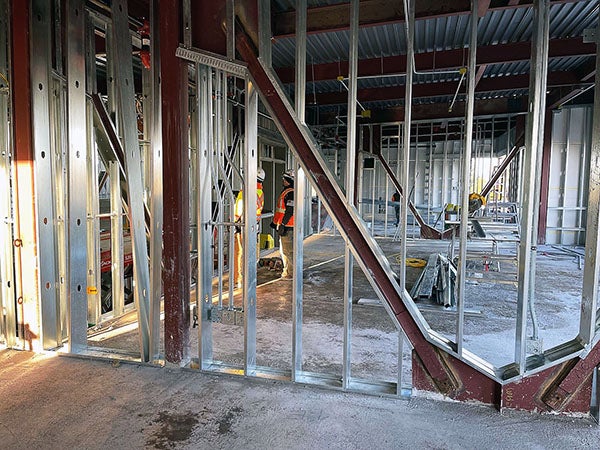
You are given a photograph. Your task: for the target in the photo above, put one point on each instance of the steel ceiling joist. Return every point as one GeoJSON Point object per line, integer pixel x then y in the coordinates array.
{"type": "Point", "coordinates": [509, 52]}
{"type": "Point", "coordinates": [429, 90]}
{"type": "Point", "coordinates": [323, 19]}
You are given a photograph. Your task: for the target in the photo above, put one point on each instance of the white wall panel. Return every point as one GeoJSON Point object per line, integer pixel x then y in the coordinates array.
{"type": "Point", "coordinates": [569, 161]}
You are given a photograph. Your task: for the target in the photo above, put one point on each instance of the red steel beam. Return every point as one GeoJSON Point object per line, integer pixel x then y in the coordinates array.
{"type": "Point", "coordinates": [207, 30]}
{"type": "Point", "coordinates": [479, 74]}
{"type": "Point", "coordinates": [585, 74]}
{"type": "Point", "coordinates": [176, 223]}
{"type": "Point", "coordinates": [433, 111]}
{"type": "Point", "coordinates": [504, 165]}
{"type": "Point", "coordinates": [446, 59]}
{"type": "Point", "coordinates": [572, 388]}
{"type": "Point", "coordinates": [336, 17]}
{"type": "Point", "coordinates": [428, 90]}
{"type": "Point", "coordinates": [426, 231]}
{"type": "Point", "coordinates": [441, 372]}
{"type": "Point", "coordinates": [329, 18]}
{"type": "Point", "coordinates": [562, 95]}
{"type": "Point", "coordinates": [482, 7]}
{"type": "Point", "coordinates": [209, 19]}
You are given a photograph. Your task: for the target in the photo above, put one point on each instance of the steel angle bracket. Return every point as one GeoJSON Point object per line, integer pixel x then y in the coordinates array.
{"type": "Point", "coordinates": [572, 389]}
{"type": "Point", "coordinates": [210, 59]}
{"type": "Point", "coordinates": [563, 388]}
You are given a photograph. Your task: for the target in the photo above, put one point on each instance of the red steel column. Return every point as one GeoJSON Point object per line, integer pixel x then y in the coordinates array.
{"type": "Point", "coordinates": [26, 267]}
{"type": "Point", "coordinates": [544, 187]}
{"type": "Point", "coordinates": [176, 214]}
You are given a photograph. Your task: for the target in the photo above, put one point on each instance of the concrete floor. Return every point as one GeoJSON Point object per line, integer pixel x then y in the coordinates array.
{"type": "Point", "coordinates": [489, 329]}
{"type": "Point", "coordinates": [54, 402]}
{"type": "Point", "coordinates": [61, 402]}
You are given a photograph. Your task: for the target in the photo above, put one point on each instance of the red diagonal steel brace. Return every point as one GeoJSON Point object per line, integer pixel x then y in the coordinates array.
{"type": "Point", "coordinates": [445, 373]}
{"type": "Point", "coordinates": [502, 167]}
{"type": "Point", "coordinates": [427, 231]}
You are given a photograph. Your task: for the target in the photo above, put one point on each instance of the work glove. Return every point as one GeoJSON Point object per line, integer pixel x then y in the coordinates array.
{"type": "Point", "coordinates": [282, 230]}
{"type": "Point", "coordinates": [272, 225]}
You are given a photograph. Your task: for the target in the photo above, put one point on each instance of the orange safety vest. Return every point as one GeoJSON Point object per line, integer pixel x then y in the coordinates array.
{"type": "Point", "coordinates": [282, 204]}
{"type": "Point", "coordinates": [238, 210]}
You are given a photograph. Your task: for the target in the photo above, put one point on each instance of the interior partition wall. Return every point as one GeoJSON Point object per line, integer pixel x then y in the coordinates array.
{"type": "Point", "coordinates": [85, 144]}
{"type": "Point", "coordinates": [226, 162]}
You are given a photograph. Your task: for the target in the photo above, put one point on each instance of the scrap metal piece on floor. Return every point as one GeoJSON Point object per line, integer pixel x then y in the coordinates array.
{"type": "Point", "coordinates": [436, 282]}
{"type": "Point", "coordinates": [271, 263]}
{"type": "Point", "coordinates": [429, 277]}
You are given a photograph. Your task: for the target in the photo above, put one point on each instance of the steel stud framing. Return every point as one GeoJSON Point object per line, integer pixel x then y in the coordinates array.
{"type": "Point", "coordinates": [125, 87]}
{"type": "Point", "coordinates": [589, 296]}
{"type": "Point", "coordinates": [528, 246]}
{"type": "Point", "coordinates": [77, 169]}
{"type": "Point", "coordinates": [43, 153]}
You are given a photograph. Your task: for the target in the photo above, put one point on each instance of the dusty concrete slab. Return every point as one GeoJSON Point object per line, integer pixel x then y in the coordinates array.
{"type": "Point", "coordinates": [51, 402]}
{"type": "Point", "coordinates": [489, 334]}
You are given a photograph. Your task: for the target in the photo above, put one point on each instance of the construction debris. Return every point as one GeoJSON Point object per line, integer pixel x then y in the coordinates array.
{"type": "Point", "coordinates": [437, 281]}
{"type": "Point", "coordinates": [271, 263]}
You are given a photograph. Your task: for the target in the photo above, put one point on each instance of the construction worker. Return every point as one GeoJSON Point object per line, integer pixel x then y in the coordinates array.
{"type": "Point", "coordinates": [283, 222]}
{"type": "Point", "coordinates": [238, 212]}
{"type": "Point", "coordinates": [396, 199]}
